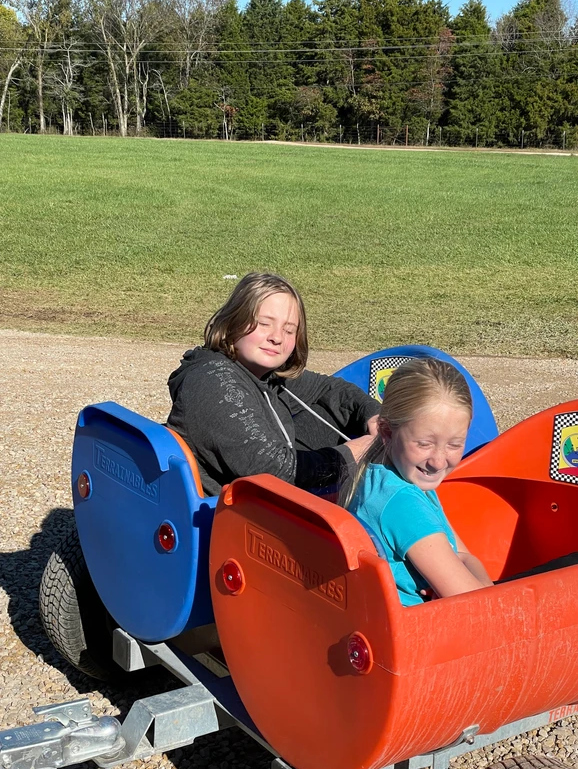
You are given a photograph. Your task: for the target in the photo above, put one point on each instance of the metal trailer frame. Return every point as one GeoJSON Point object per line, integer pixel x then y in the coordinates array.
{"type": "Point", "coordinates": [207, 703]}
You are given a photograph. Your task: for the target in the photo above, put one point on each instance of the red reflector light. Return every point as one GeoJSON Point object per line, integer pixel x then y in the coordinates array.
{"type": "Point", "coordinates": [359, 653]}
{"type": "Point", "coordinates": [84, 485]}
{"type": "Point", "coordinates": [233, 577]}
{"type": "Point", "coordinates": [166, 536]}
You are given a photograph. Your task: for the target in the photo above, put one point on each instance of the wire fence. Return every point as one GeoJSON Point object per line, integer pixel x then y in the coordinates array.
{"type": "Point", "coordinates": [367, 134]}
{"type": "Point", "coordinates": [375, 134]}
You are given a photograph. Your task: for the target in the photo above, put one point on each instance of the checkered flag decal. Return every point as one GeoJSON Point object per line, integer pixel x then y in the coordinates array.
{"type": "Point", "coordinates": [378, 364]}
{"type": "Point", "coordinates": [562, 421]}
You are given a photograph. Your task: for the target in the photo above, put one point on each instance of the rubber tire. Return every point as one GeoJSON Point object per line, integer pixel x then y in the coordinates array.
{"type": "Point", "coordinates": [73, 616]}
{"type": "Point", "coordinates": [530, 761]}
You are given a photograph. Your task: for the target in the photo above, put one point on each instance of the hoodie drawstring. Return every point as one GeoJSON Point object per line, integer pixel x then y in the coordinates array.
{"type": "Point", "coordinates": [277, 418]}
{"type": "Point", "coordinates": [307, 407]}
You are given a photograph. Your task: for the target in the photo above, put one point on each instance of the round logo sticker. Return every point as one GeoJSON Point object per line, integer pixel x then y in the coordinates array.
{"type": "Point", "coordinates": [570, 450]}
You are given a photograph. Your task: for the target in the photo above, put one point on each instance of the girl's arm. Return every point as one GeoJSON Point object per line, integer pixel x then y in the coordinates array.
{"type": "Point", "coordinates": [444, 570]}
{"type": "Point", "coordinates": [471, 561]}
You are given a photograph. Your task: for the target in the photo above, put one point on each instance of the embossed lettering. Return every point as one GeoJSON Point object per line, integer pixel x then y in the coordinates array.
{"type": "Point", "coordinates": [112, 464]}
{"type": "Point", "coordinates": [264, 547]}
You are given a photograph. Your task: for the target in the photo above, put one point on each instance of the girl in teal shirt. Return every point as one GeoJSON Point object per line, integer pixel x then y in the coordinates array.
{"type": "Point", "coordinates": [422, 429]}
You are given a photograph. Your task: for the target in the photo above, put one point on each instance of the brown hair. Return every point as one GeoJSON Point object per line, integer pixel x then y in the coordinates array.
{"type": "Point", "coordinates": [238, 317]}
{"type": "Point", "coordinates": [409, 390]}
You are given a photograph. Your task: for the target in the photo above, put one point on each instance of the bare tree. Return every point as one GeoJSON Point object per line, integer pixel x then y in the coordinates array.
{"type": "Point", "coordinates": [124, 29]}
{"type": "Point", "coordinates": [428, 95]}
{"type": "Point", "coordinates": [12, 50]}
{"type": "Point", "coordinates": [228, 112]}
{"type": "Point", "coordinates": [194, 33]}
{"type": "Point", "coordinates": [43, 20]}
{"type": "Point", "coordinates": [159, 85]}
{"type": "Point", "coordinates": [63, 83]}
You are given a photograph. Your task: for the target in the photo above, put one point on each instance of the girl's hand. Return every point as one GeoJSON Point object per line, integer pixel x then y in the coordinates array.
{"type": "Point", "coordinates": [476, 567]}
{"type": "Point", "coordinates": [471, 562]}
{"type": "Point", "coordinates": [373, 425]}
{"type": "Point", "coordinates": [358, 446]}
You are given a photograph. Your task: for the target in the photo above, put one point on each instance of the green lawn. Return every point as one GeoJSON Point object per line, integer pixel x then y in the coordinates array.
{"type": "Point", "coordinates": [471, 252]}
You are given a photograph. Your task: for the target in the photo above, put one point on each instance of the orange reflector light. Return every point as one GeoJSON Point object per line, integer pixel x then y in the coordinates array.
{"type": "Point", "coordinates": [233, 577]}
{"type": "Point", "coordinates": [359, 653]}
{"type": "Point", "coordinates": [166, 536]}
{"type": "Point", "coordinates": [84, 485]}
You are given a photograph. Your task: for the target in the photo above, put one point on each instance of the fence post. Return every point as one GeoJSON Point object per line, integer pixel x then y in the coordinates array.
{"type": "Point", "coordinates": [522, 141]}
{"type": "Point", "coordinates": [439, 135]}
{"type": "Point", "coordinates": [564, 141]}
{"type": "Point", "coordinates": [262, 132]}
{"type": "Point", "coordinates": [406, 135]}
{"type": "Point", "coordinates": [476, 137]}
{"type": "Point", "coordinates": [340, 134]}
{"type": "Point", "coordinates": [183, 126]}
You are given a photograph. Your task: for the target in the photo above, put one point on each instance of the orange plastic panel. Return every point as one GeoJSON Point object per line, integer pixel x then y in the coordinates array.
{"type": "Point", "coordinates": [506, 502]}
{"type": "Point", "coordinates": [191, 460]}
{"type": "Point", "coordinates": [312, 578]}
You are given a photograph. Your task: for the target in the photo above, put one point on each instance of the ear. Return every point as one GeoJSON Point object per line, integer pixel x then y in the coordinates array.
{"type": "Point", "coordinates": [384, 429]}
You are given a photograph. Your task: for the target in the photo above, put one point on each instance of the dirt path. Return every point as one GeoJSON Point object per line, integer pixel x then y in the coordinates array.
{"type": "Point", "coordinates": [402, 148]}
{"type": "Point", "coordinates": [44, 381]}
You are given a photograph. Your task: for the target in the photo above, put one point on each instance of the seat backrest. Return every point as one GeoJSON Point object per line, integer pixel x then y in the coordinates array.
{"type": "Point", "coordinates": [515, 501]}
{"type": "Point", "coordinates": [144, 526]}
{"type": "Point", "coordinates": [372, 372]}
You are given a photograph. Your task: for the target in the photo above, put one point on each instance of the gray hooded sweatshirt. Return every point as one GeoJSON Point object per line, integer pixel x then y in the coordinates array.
{"type": "Point", "coordinates": [237, 424]}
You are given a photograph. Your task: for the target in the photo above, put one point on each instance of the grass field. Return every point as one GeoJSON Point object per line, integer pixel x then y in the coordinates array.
{"type": "Point", "coordinates": [470, 252]}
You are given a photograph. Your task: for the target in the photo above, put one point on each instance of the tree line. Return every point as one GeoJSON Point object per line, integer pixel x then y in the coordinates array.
{"type": "Point", "coordinates": [390, 71]}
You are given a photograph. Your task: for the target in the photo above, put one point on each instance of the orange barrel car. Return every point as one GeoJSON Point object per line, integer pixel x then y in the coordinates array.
{"type": "Point", "coordinates": [336, 673]}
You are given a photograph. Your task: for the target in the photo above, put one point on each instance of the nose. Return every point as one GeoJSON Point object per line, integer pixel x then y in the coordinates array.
{"type": "Point", "coordinates": [437, 460]}
{"type": "Point", "coordinates": [275, 335]}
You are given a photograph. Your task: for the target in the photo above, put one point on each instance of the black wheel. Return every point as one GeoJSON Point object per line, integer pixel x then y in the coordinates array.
{"type": "Point", "coordinates": [74, 617]}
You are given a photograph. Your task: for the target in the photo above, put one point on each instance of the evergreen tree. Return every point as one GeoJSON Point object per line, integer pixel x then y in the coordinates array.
{"type": "Point", "coordinates": [298, 34]}
{"type": "Point", "coordinates": [472, 99]}
{"type": "Point", "coordinates": [362, 70]}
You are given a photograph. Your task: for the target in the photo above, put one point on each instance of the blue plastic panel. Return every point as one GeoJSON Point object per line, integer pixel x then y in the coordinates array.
{"type": "Point", "coordinates": [370, 374]}
{"type": "Point", "coordinates": [139, 479]}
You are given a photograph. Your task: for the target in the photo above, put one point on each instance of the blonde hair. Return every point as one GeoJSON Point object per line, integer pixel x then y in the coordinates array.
{"type": "Point", "coordinates": [239, 316]}
{"type": "Point", "coordinates": [411, 388]}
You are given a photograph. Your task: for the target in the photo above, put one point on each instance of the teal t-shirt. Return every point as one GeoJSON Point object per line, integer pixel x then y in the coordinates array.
{"type": "Point", "coordinates": [400, 514]}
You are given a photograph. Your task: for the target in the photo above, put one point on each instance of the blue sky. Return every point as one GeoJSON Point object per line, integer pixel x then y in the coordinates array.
{"type": "Point", "coordinates": [495, 8]}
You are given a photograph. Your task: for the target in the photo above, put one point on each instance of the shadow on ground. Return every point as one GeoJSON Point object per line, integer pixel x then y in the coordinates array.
{"type": "Point", "coordinates": [20, 576]}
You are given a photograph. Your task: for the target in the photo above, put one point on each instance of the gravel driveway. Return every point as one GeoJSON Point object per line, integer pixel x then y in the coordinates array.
{"type": "Point", "coordinates": [45, 381]}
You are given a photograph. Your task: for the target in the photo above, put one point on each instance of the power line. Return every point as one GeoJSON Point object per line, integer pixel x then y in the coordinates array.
{"type": "Point", "coordinates": [348, 46]}
{"type": "Point", "coordinates": [204, 57]}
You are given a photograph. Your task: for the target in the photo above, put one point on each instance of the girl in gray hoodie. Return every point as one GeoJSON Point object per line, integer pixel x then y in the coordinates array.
{"type": "Point", "coordinates": [245, 404]}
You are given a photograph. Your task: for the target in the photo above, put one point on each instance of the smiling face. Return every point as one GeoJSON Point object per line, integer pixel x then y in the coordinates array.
{"type": "Point", "coordinates": [426, 449]}
{"type": "Point", "coordinates": [272, 342]}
